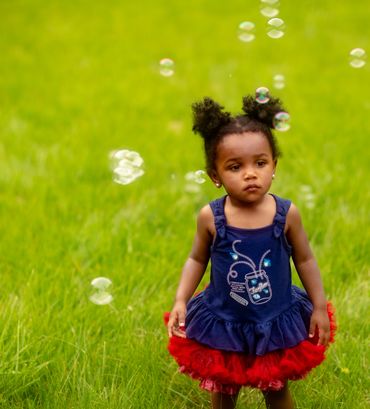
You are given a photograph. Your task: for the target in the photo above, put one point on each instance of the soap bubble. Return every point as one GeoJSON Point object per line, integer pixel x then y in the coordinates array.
{"type": "Point", "coordinates": [193, 180]}
{"type": "Point", "coordinates": [269, 11]}
{"type": "Point", "coordinates": [281, 121]}
{"type": "Point", "coordinates": [126, 166]}
{"type": "Point", "coordinates": [357, 58]}
{"type": "Point", "coordinates": [199, 176]}
{"type": "Point", "coordinates": [246, 31]}
{"type": "Point", "coordinates": [307, 195]}
{"type": "Point", "coordinates": [101, 283]}
{"type": "Point", "coordinates": [279, 81]}
{"type": "Point", "coordinates": [101, 296]}
{"type": "Point", "coordinates": [166, 67]}
{"type": "Point", "coordinates": [124, 176]}
{"type": "Point", "coordinates": [275, 28]}
{"type": "Point", "coordinates": [192, 188]}
{"type": "Point", "coordinates": [124, 157]}
{"type": "Point", "coordinates": [269, 8]}
{"type": "Point", "coordinates": [262, 95]}
{"type": "Point", "coordinates": [270, 2]}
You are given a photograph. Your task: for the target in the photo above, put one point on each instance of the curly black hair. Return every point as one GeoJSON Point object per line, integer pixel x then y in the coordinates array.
{"type": "Point", "coordinates": [213, 123]}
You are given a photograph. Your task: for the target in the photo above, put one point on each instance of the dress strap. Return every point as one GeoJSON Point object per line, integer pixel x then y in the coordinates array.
{"type": "Point", "coordinates": [217, 207]}
{"type": "Point", "coordinates": [282, 207]}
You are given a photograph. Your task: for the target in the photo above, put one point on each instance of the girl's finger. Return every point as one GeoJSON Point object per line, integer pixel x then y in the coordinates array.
{"type": "Point", "coordinates": [312, 329]}
{"type": "Point", "coordinates": [179, 333]}
{"type": "Point", "coordinates": [323, 338]}
{"type": "Point", "coordinates": [182, 320]}
{"type": "Point", "coordinates": [170, 325]}
{"type": "Point", "coordinates": [326, 338]}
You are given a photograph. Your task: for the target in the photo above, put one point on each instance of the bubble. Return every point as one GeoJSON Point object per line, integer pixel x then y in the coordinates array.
{"type": "Point", "coordinates": [126, 166]}
{"type": "Point", "coordinates": [275, 28]}
{"type": "Point", "coordinates": [279, 81]}
{"type": "Point", "coordinates": [124, 176]}
{"type": "Point", "coordinates": [101, 283]}
{"type": "Point", "coordinates": [194, 179]}
{"type": "Point", "coordinates": [101, 296]}
{"type": "Point", "coordinates": [166, 67]}
{"type": "Point", "coordinates": [269, 11]}
{"type": "Point", "coordinates": [125, 157]}
{"type": "Point", "coordinates": [281, 121]}
{"type": "Point", "coordinates": [192, 188]}
{"type": "Point", "coordinates": [262, 95]}
{"type": "Point", "coordinates": [198, 176]}
{"type": "Point", "coordinates": [307, 196]}
{"type": "Point", "coordinates": [246, 31]}
{"type": "Point", "coordinates": [269, 8]}
{"type": "Point", "coordinates": [357, 58]}
{"type": "Point", "coordinates": [306, 188]}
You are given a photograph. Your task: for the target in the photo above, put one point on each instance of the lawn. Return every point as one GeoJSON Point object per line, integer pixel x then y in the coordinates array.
{"type": "Point", "coordinates": [79, 79]}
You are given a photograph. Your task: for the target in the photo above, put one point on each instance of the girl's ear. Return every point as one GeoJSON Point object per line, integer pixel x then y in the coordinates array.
{"type": "Point", "coordinates": [275, 164]}
{"type": "Point", "coordinates": [214, 177]}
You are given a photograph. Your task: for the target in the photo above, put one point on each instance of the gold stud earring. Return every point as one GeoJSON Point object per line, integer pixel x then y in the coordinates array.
{"type": "Point", "coordinates": [218, 184]}
{"type": "Point", "coordinates": [273, 175]}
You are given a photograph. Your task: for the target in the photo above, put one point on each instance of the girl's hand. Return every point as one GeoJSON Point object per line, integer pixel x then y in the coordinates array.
{"type": "Point", "coordinates": [176, 323]}
{"type": "Point", "coordinates": [320, 319]}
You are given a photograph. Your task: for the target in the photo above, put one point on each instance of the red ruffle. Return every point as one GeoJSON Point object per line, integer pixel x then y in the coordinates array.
{"type": "Point", "coordinates": [267, 372]}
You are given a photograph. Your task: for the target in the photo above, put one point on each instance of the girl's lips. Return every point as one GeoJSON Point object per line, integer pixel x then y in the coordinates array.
{"type": "Point", "coordinates": [252, 187]}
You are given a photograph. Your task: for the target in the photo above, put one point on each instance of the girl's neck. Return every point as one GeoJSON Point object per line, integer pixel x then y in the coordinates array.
{"type": "Point", "coordinates": [250, 215]}
{"type": "Point", "coordinates": [248, 206]}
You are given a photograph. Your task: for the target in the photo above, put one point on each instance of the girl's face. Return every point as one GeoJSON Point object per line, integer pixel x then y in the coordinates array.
{"type": "Point", "coordinates": [244, 165]}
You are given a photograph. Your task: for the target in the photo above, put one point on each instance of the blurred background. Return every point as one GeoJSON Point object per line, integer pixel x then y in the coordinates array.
{"type": "Point", "coordinates": [80, 79]}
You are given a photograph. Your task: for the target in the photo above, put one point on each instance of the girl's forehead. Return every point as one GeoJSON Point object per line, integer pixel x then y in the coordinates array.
{"type": "Point", "coordinates": [246, 142]}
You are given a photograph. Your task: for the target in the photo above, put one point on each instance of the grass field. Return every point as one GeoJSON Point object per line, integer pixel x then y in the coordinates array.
{"type": "Point", "coordinates": [79, 79]}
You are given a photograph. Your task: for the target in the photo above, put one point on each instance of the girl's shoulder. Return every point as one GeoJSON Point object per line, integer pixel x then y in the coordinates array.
{"type": "Point", "coordinates": [214, 206]}
{"type": "Point", "coordinates": [205, 212]}
{"type": "Point", "coordinates": [206, 219]}
{"type": "Point", "coordinates": [293, 217]}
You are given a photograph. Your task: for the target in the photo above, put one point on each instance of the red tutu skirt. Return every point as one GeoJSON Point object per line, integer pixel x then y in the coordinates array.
{"type": "Point", "coordinates": [224, 371]}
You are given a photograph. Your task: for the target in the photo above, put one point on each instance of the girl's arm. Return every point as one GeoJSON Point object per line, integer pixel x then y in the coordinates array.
{"type": "Point", "coordinates": [192, 272]}
{"type": "Point", "coordinates": [309, 274]}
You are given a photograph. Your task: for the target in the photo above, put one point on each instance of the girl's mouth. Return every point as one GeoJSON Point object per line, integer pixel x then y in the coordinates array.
{"type": "Point", "coordinates": [251, 188]}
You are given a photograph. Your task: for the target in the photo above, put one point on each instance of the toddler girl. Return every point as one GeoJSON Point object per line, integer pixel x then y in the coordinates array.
{"type": "Point", "coordinates": [250, 326]}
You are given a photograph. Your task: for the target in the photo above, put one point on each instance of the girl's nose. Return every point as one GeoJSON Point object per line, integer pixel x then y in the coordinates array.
{"type": "Point", "coordinates": [249, 173]}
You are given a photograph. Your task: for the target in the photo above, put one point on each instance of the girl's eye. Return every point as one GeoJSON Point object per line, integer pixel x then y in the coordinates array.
{"type": "Point", "coordinates": [261, 163]}
{"type": "Point", "coordinates": [234, 168]}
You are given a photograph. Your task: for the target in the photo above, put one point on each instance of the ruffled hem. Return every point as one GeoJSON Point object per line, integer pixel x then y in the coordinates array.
{"type": "Point", "coordinates": [214, 386]}
{"type": "Point", "coordinates": [267, 372]}
{"type": "Point", "coordinates": [286, 330]}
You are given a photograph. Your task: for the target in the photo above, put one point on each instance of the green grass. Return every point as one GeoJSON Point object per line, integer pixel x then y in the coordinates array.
{"type": "Point", "coordinates": [78, 79]}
